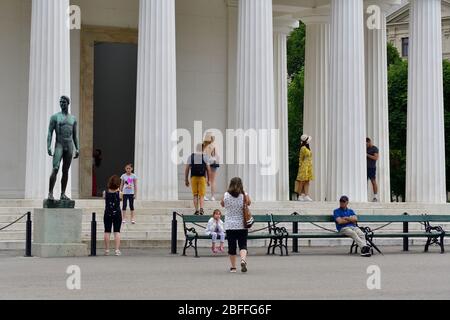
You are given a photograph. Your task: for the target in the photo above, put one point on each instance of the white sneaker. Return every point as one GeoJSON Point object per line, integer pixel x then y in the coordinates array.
{"type": "Point", "coordinates": [213, 199]}
{"type": "Point", "coordinates": [118, 253]}
{"type": "Point", "coordinates": [308, 199]}
{"type": "Point", "coordinates": [301, 198]}
{"type": "Point", "coordinates": [206, 198]}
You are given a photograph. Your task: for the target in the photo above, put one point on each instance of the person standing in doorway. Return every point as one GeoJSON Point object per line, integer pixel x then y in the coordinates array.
{"type": "Point", "coordinates": [198, 166]}
{"type": "Point", "coordinates": [128, 187]}
{"type": "Point", "coordinates": [372, 158]}
{"type": "Point", "coordinates": [305, 170]}
{"type": "Point", "coordinates": [210, 149]}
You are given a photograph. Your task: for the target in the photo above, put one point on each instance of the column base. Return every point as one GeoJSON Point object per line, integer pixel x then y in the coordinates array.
{"type": "Point", "coordinates": [55, 250]}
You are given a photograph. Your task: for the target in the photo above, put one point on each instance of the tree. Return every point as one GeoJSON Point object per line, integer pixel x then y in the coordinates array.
{"type": "Point", "coordinates": [295, 115]}
{"type": "Point", "coordinates": [446, 71]}
{"type": "Point", "coordinates": [296, 50]}
{"type": "Point", "coordinates": [398, 105]}
{"type": "Point", "coordinates": [296, 63]}
{"type": "Point", "coordinates": [393, 56]}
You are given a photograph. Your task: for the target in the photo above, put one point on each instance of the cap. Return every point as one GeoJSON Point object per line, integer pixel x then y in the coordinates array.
{"type": "Point", "coordinates": [343, 199]}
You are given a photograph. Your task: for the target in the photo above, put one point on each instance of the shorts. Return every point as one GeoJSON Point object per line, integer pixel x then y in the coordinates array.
{"type": "Point", "coordinates": [371, 173]}
{"type": "Point", "coordinates": [235, 238]}
{"type": "Point", "coordinates": [198, 186]}
{"type": "Point", "coordinates": [130, 199]}
{"type": "Point", "coordinates": [112, 221]}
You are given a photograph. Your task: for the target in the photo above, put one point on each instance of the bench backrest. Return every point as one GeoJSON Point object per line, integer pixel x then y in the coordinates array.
{"type": "Point", "coordinates": [267, 218]}
{"type": "Point", "coordinates": [362, 218]}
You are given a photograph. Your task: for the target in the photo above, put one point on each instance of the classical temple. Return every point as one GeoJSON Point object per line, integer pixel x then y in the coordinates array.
{"type": "Point", "coordinates": [137, 71]}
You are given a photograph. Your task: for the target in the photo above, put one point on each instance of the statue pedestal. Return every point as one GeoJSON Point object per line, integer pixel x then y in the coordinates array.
{"type": "Point", "coordinates": [59, 204]}
{"type": "Point", "coordinates": [57, 233]}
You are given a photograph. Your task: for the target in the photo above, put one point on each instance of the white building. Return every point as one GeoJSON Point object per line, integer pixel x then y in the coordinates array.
{"type": "Point", "coordinates": [398, 29]}
{"type": "Point", "coordinates": [223, 63]}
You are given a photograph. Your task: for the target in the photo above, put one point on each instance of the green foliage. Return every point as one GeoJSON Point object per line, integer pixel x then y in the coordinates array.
{"type": "Point", "coordinates": [446, 71]}
{"type": "Point", "coordinates": [296, 50]}
{"type": "Point", "coordinates": [295, 112]}
{"type": "Point", "coordinates": [393, 57]}
{"type": "Point", "coordinates": [398, 105]}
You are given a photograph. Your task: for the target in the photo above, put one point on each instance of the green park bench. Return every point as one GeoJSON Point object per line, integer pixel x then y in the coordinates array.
{"type": "Point", "coordinates": [194, 230]}
{"type": "Point", "coordinates": [434, 234]}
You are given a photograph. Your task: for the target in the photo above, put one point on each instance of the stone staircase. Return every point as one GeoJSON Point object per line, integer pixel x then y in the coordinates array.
{"type": "Point", "coordinates": [153, 228]}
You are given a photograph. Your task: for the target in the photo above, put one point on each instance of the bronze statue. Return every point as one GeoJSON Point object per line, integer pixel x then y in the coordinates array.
{"type": "Point", "coordinates": [65, 127]}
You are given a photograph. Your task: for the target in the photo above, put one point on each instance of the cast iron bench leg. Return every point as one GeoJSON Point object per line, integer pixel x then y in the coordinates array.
{"type": "Point", "coordinates": [270, 246]}
{"type": "Point", "coordinates": [427, 245]}
{"type": "Point", "coordinates": [185, 247]}
{"type": "Point", "coordinates": [353, 246]}
{"type": "Point", "coordinates": [285, 246]}
{"type": "Point", "coordinates": [196, 252]}
{"type": "Point", "coordinates": [442, 243]}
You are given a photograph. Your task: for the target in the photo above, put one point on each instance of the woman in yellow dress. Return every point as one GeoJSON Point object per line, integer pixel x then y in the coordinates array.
{"type": "Point", "coordinates": [305, 170]}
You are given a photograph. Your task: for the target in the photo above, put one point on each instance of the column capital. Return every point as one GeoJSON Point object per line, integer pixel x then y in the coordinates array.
{"type": "Point", "coordinates": [285, 25]}
{"type": "Point", "coordinates": [315, 16]}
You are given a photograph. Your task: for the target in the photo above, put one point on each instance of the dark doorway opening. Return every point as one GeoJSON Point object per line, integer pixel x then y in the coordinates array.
{"type": "Point", "coordinates": [115, 78]}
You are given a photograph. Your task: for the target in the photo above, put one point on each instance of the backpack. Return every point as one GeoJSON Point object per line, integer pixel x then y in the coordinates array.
{"type": "Point", "coordinates": [198, 170]}
{"type": "Point", "coordinates": [112, 204]}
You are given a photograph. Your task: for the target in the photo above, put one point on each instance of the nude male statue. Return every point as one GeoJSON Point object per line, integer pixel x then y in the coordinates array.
{"type": "Point", "coordinates": [65, 127]}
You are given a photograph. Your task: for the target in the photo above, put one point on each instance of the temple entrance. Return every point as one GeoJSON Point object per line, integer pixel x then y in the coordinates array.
{"type": "Point", "coordinates": [115, 76]}
{"type": "Point", "coordinates": [108, 105]}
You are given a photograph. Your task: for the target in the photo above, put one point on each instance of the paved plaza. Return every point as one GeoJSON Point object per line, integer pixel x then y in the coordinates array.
{"type": "Point", "coordinates": [316, 273]}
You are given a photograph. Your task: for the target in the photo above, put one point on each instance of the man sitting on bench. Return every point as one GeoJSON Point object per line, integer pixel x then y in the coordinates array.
{"type": "Point", "coordinates": [346, 224]}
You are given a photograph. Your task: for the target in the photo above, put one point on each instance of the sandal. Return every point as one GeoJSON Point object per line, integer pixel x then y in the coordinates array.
{"type": "Point", "coordinates": [243, 266]}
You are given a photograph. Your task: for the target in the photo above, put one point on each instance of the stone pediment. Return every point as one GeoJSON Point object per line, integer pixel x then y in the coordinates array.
{"type": "Point", "coordinates": [401, 15]}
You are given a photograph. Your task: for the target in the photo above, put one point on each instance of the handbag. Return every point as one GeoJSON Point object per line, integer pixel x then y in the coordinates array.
{"type": "Point", "coordinates": [248, 218]}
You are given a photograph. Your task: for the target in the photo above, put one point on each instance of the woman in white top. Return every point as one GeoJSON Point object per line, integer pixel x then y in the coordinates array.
{"type": "Point", "coordinates": [210, 149]}
{"type": "Point", "coordinates": [233, 202]}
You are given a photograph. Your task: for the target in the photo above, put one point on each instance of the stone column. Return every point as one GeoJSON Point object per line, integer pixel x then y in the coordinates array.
{"type": "Point", "coordinates": [49, 79]}
{"type": "Point", "coordinates": [316, 101]}
{"type": "Point", "coordinates": [347, 162]}
{"type": "Point", "coordinates": [282, 29]}
{"type": "Point", "coordinates": [255, 102]}
{"type": "Point", "coordinates": [425, 165]}
{"type": "Point", "coordinates": [233, 13]}
{"type": "Point", "coordinates": [377, 107]}
{"type": "Point", "coordinates": [156, 106]}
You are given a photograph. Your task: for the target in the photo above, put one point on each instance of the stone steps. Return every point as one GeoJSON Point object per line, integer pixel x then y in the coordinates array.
{"type": "Point", "coordinates": [154, 219]}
